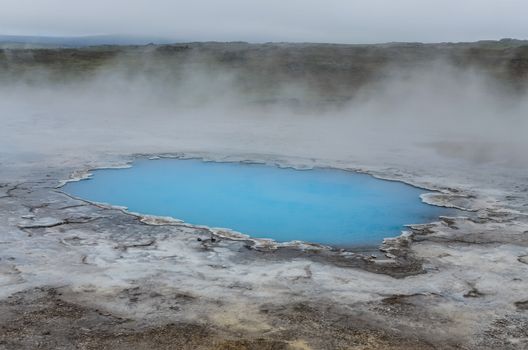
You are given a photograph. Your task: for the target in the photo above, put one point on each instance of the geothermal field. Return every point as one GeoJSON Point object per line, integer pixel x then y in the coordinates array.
{"type": "Point", "coordinates": [212, 195]}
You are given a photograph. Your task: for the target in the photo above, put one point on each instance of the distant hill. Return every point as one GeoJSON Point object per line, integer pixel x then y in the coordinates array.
{"type": "Point", "coordinates": [31, 41]}
{"type": "Point", "coordinates": [326, 73]}
{"type": "Point", "coordinates": [80, 41]}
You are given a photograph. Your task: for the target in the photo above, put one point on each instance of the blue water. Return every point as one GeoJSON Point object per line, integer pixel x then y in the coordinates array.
{"type": "Point", "coordinates": [326, 206]}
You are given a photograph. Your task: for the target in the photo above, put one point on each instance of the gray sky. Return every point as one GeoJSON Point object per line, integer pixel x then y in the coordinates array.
{"type": "Point", "coordinates": [346, 21]}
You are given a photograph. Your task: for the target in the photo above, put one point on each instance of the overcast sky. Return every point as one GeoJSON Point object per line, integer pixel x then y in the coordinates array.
{"type": "Point", "coordinates": [345, 21]}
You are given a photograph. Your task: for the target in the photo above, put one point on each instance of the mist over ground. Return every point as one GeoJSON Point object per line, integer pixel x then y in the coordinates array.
{"type": "Point", "coordinates": [367, 105]}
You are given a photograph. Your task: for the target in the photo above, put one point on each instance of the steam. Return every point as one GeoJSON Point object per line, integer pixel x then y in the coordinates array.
{"type": "Point", "coordinates": [405, 115]}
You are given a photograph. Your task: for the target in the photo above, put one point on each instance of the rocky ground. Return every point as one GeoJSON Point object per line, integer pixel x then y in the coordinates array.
{"type": "Point", "coordinates": [79, 275]}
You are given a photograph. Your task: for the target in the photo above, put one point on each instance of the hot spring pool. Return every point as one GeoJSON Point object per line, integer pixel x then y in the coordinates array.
{"type": "Point", "coordinates": [327, 206]}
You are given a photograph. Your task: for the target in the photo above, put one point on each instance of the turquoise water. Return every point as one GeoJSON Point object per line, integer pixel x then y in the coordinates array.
{"type": "Point", "coordinates": [325, 206]}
